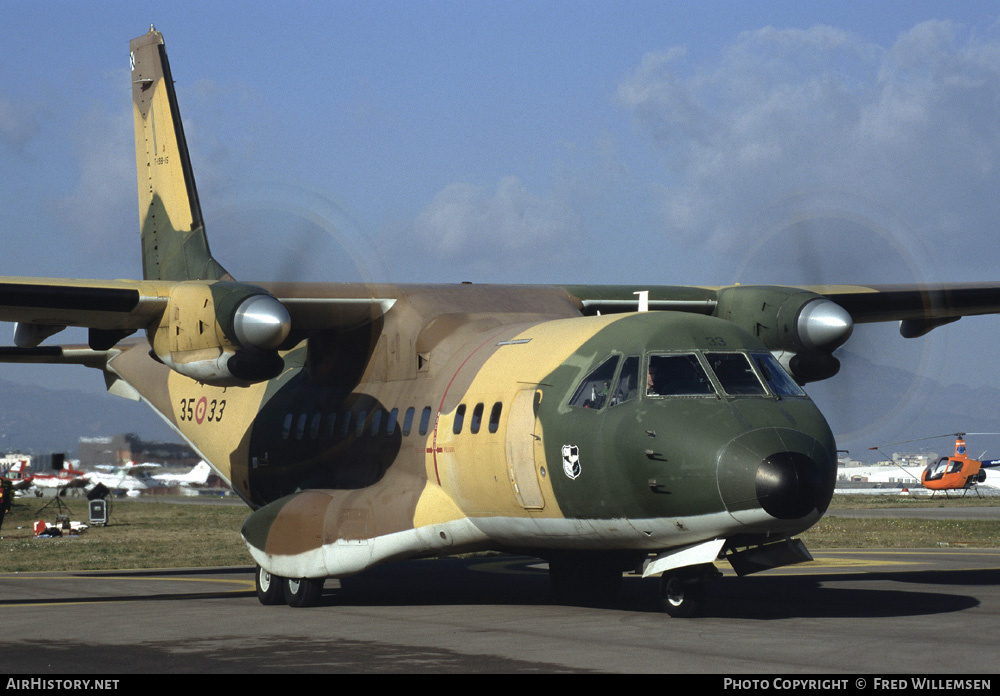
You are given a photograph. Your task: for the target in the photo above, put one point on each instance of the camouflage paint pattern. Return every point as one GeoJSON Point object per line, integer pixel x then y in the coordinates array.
{"type": "Point", "coordinates": [335, 455]}
{"type": "Point", "coordinates": [174, 245]}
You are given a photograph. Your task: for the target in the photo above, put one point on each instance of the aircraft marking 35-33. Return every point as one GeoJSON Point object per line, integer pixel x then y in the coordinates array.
{"type": "Point", "coordinates": [200, 409]}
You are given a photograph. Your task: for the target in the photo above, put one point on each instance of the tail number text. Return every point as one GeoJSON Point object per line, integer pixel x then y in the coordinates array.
{"type": "Point", "coordinates": [201, 409]}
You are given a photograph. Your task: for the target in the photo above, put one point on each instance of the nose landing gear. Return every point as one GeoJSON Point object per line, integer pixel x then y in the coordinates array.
{"type": "Point", "coordinates": [682, 591]}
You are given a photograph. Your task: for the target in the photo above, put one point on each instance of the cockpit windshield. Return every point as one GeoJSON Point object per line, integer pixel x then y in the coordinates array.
{"type": "Point", "coordinates": [735, 373]}
{"type": "Point", "coordinates": [684, 374]}
{"type": "Point", "coordinates": [677, 375]}
{"type": "Point", "coordinates": [738, 373]}
{"type": "Point", "coordinates": [780, 382]}
{"type": "Point", "coordinates": [936, 470]}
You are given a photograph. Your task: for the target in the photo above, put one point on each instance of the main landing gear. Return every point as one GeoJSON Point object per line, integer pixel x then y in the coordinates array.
{"type": "Point", "coordinates": [273, 589]}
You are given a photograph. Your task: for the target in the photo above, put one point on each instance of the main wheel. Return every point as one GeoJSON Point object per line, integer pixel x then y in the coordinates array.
{"type": "Point", "coordinates": [681, 597]}
{"type": "Point", "coordinates": [269, 588]}
{"type": "Point", "coordinates": [305, 592]}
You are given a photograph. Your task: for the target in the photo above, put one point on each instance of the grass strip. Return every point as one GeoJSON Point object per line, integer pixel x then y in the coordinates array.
{"type": "Point", "coordinates": [172, 534]}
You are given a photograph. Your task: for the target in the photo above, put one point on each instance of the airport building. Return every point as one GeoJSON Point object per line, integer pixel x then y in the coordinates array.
{"type": "Point", "coordinates": [119, 450]}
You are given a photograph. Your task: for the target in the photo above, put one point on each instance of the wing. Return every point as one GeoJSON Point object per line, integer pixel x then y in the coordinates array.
{"type": "Point", "coordinates": [196, 327]}
{"type": "Point", "coordinates": [918, 308]}
{"type": "Point", "coordinates": [788, 319]}
{"type": "Point", "coordinates": [804, 325]}
{"type": "Point", "coordinates": [865, 303]}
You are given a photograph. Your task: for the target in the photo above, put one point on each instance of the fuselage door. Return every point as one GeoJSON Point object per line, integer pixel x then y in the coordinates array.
{"type": "Point", "coordinates": [522, 442]}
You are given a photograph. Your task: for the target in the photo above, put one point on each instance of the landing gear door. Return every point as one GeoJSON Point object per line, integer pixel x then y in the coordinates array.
{"type": "Point", "coordinates": [522, 442]}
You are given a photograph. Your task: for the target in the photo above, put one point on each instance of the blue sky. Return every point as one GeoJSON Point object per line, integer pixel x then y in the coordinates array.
{"type": "Point", "coordinates": [609, 142]}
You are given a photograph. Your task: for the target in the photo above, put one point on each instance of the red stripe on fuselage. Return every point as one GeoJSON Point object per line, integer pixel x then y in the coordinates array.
{"type": "Point", "coordinates": [434, 449]}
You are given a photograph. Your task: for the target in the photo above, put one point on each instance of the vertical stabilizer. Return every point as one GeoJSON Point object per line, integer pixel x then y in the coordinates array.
{"type": "Point", "coordinates": [174, 245]}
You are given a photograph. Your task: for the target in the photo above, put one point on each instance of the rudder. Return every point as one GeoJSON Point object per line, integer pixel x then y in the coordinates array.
{"type": "Point", "coordinates": [174, 245]}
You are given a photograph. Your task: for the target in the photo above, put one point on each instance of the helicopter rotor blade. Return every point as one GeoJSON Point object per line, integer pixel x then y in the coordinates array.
{"type": "Point", "coordinates": [918, 439]}
{"type": "Point", "coordinates": [929, 437]}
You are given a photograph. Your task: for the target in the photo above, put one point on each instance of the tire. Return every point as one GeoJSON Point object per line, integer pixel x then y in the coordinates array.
{"type": "Point", "coordinates": [304, 592]}
{"type": "Point", "coordinates": [681, 597]}
{"type": "Point", "coordinates": [270, 588]}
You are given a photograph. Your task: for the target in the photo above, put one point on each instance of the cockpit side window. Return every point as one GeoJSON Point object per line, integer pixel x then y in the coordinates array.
{"type": "Point", "coordinates": [780, 382]}
{"type": "Point", "coordinates": [937, 469]}
{"type": "Point", "coordinates": [595, 388]}
{"type": "Point", "coordinates": [677, 375]}
{"type": "Point", "coordinates": [735, 374]}
{"type": "Point", "coordinates": [627, 386]}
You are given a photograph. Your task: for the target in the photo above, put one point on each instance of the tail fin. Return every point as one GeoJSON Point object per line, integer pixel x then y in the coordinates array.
{"type": "Point", "coordinates": [174, 245]}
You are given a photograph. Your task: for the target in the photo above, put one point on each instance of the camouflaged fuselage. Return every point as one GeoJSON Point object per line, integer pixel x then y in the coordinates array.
{"type": "Point", "coordinates": [459, 433]}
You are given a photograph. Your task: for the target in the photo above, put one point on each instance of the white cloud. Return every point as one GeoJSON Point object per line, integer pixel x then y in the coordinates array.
{"type": "Point", "coordinates": [464, 220]}
{"type": "Point", "coordinates": [103, 203]}
{"type": "Point", "coordinates": [790, 114]}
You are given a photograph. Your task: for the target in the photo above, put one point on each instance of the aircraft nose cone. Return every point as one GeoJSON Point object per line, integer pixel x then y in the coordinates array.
{"type": "Point", "coordinates": [776, 474]}
{"type": "Point", "coordinates": [789, 485]}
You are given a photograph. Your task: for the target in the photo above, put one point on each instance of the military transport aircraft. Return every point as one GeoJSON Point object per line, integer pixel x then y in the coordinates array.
{"type": "Point", "coordinates": [603, 428]}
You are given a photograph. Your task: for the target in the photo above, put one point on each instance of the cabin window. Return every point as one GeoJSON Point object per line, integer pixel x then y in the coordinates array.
{"type": "Point", "coordinates": [459, 419]}
{"type": "Point", "coordinates": [359, 424]}
{"type": "Point", "coordinates": [677, 375]}
{"type": "Point", "coordinates": [937, 470]}
{"type": "Point", "coordinates": [376, 422]}
{"type": "Point", "coordinates": [495, 417]}
{"type": "Point", "coordinates": [314, 426]}
{"type": "Point", "coordinates": [594, 389]}
{"type": "Point", "coordinates": [425, 420]}
{"type": "Point", "coordinates": [390, 426]}
{"type": "Point", "coordinates": [735, 373]}
{"type": "Point", "coordinates": [627, 386]}
{"type": "Point", "coordinates": [477, 419]}
{"type": "Point", "coordinates": [345, 423]}
{"type": "Point", "coordinates": [300, 426]}
{"type": "Point", "coordinates": [286, 426]}
{"type": "Point", "coordinates": [408, 420]}
{"type": "Point", "coordinates": [331, 423]}
{"type": "Point", "coordinates": [780, 382]}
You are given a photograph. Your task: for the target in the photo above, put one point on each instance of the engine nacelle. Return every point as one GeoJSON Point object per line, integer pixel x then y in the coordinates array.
{"type": "Point", "coordinates": [223, 333]}
{"type": "Point", "coordinates": [800, 327]}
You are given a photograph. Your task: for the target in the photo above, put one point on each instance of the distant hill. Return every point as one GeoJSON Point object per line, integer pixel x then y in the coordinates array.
{"type": "Point", "coordinates": [870, 405]}
{"type": "Point", "coordinates": [40, 420]}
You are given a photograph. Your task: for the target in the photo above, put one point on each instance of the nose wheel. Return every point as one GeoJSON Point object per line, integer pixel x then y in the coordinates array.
{"type": "Point", "coordinates": [681, 598]}
{"type": "Point", "coordinates": [682, 591]}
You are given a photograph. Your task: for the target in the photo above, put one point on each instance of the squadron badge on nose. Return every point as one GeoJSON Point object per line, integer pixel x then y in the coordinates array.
{"type": "Point", "coordinates": [571, 460]}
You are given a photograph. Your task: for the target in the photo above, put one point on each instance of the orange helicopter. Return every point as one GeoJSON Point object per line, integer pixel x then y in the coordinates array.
{"type": "Point", "coordinates": [957, 472]}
